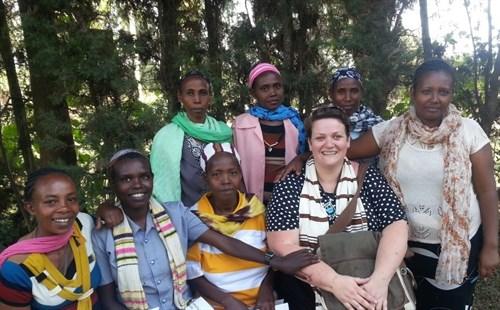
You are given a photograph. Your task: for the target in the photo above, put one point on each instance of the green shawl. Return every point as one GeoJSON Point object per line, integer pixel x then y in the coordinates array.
{"type": "Point", "coordinates": [166, 151]}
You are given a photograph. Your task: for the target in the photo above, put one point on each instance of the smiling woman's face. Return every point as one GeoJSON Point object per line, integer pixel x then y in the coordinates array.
{"type": "Point", "coordinates": [54, 204]}
{"type": "Point", "coordinates": [328, 142]}
{"type": "Point", "coordinates": [346, 94]}
{"type": "Point", "coordinates": [133, 183]}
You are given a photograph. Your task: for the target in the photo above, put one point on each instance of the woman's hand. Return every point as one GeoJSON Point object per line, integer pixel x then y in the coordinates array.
{"type": "Point", "coordinates": [108, 215]}
{"type": "Point", "coordinates": [351, 294]}
{"type": "Point", "coordinates": [379, 290]}
{"type": "Point", "coordinates": [295, 165]}
{"type": "Point", "coordinates": [294, 261]}
{"type": "Point", "coordinates": [108, 298]}
{"type": "Point", "coordinates": [488, 261]}
{"type": "Point", "coordinates": [265, 299]}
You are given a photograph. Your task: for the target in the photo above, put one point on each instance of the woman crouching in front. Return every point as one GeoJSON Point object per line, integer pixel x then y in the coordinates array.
{"type": "Point", "coordinates": [52, 267]}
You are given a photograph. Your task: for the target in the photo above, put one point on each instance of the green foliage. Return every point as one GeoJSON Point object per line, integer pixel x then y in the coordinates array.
{"type": "Point", "coordinates": [10, 215]}
{"type": "Point", "coordinates": [94, 73]}
{"type": "Point", "coordinates": [10, 228]}
{"type": "Point", "coordinates": [9, 139]}
{"type": "Point", "coordinates": [120, 86]}
{"type": "Point", "coordinates": [464, 96]}
{"type": "Point", "coordinates": [374, 37]}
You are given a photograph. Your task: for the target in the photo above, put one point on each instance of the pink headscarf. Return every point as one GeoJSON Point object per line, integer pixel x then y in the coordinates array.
{"type": "Point", "coordinates": [259, 69]}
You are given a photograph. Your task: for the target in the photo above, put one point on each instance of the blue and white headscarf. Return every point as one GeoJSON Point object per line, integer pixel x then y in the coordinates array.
{"type": "Point", "coordinates": [343, 73]}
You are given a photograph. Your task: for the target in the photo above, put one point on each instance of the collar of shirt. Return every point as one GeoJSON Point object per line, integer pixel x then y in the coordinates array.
{"type": "Point", "coordinates": [136, 228]}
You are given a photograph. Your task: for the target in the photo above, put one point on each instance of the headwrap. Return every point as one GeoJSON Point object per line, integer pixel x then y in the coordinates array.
{"type": "Point", "coordinates": [120, 154]}
{"type": "Point", "coordinates": [212, 148]}
{"type": "Point", "coordinates": [345, 73]}
{"type": "Point", "coordinates": [195, 73]}
{"type": "Point", "coordinates": [455, 244]}
{"type": "Point", "coordinates": [259, 69]}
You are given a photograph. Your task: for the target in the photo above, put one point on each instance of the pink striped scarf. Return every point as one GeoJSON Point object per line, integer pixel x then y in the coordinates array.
{"type": "Point", "coordinates": [129, 282]}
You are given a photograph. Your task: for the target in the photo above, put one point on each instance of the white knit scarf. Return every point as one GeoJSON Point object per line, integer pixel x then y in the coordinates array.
{"type": "Point", "coordinates": [313, 217]}
{"type": "Point", "coordinates": [129, 281]}
{"type": "Point", "coordinates": [455, 244]}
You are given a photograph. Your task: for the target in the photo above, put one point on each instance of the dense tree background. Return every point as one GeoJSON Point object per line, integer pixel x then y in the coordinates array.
{"type": "Point", "coordinates": [82, 79]}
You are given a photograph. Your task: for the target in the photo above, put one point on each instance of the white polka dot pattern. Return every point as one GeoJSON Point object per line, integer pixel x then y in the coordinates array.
{"type": "Point", "coordinates": [381, 203]}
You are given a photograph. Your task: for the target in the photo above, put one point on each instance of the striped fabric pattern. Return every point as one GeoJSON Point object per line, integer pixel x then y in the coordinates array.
{"type": "Point", "coordinates": [129, 281]}
{"type": "Point", "coordinates": [274, 156]}
{"type": "Point", "coordinates": [241, 278]}
{"type": "Point", "coordinates": [177, 261]}
{"type": "Point", "coordinates": [313, 220]}
{"type": "Point", "coordinates": [212, 148]}
{"type": "Point", "coordinates": [37, 283]}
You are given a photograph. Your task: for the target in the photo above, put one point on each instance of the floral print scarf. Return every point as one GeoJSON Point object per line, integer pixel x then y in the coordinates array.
{"type": "Point", "coordinates": [455, 244]}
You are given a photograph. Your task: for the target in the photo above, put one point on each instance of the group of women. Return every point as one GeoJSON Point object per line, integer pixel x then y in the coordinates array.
{"type": "Point", "coordinates": [434, 200]}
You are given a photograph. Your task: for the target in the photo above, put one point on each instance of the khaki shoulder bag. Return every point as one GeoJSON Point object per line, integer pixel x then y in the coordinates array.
{"type": "Point", "coordinates": [354, 254]}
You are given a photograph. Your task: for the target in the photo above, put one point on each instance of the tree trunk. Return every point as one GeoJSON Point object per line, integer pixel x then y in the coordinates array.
{"type": "Point", "coordinates": [15, 93]}
{"type": "Point", "coordinates": [261, 8]}
{"type": "Point", "coordinates": [288, 52]}
{"type": "Point", "coordinates": [306, 54]}
{"type": "Point", "coordinates": [213, 12]}
{"type": "Point", "coordinates": [169, 46]}
{"type": "Point", "coordinates": [486, 99]}
{"type": "Point", "coordinates": [52, 120]}
{"type": "Point", "coordinates": [490, 110]}
{"type": "Point", "coordinates": [424, 22]}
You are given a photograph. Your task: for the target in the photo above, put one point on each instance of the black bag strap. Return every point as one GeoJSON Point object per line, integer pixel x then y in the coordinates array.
{"type": "Point", "coordinates": [346, 216]}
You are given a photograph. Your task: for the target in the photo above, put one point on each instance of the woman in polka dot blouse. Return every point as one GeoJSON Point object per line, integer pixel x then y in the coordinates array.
{"type": "Point", "coordinates": [303, 207]}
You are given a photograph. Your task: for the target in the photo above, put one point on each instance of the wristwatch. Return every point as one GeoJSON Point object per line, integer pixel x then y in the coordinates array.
{"type": "Point", "coordinates": [268, 256]}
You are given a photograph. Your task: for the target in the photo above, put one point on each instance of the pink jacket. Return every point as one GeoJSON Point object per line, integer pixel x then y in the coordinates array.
{"type": "Point", "coordinates": [248, 140]}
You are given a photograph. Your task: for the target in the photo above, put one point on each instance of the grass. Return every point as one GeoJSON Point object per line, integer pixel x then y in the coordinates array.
{"type": "Point", "coordinates": [487, 295]}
